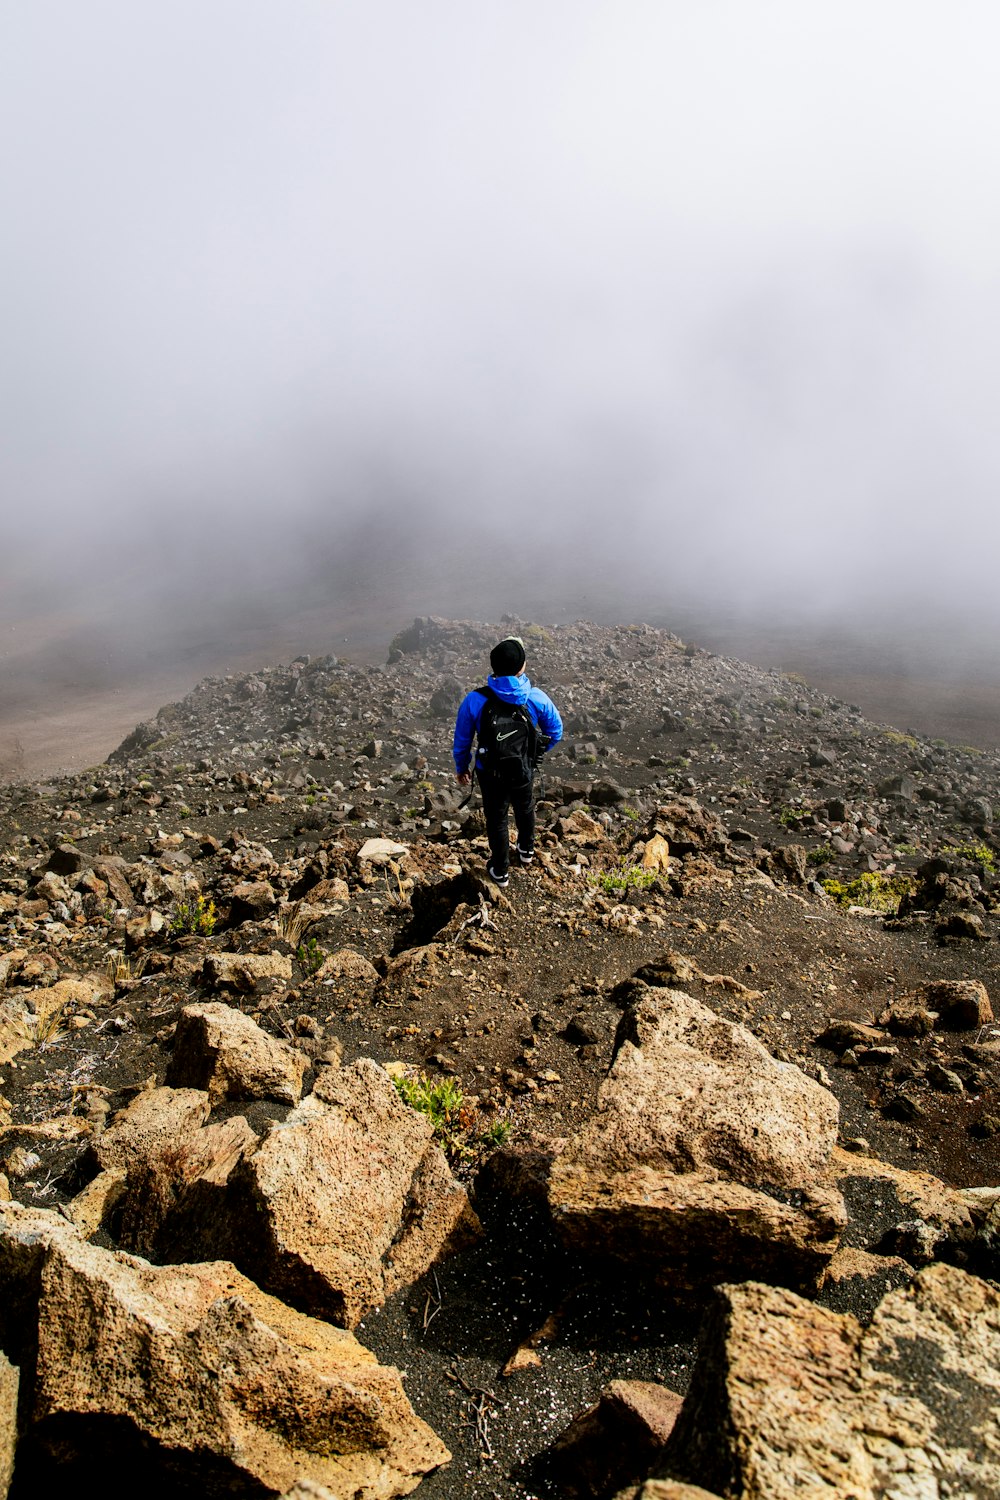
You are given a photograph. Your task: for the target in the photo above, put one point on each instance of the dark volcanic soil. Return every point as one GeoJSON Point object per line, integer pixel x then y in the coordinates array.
{"type": "Point", "coordinates": [762, 787]}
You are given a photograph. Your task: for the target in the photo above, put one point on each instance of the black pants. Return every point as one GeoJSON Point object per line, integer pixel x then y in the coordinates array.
{"type": "Point", "coordinates": [496, 800]}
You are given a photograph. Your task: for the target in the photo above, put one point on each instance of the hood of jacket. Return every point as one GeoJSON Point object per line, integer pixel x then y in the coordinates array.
{"type": "Point", "coordinates": [510, 689]}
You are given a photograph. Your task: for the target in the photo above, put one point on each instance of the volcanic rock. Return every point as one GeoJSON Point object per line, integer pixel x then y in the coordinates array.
{"type": "Point", "coordinates": [788, 1398]}
{"type": "Point", "coordinates": [244, 971]}
{"type": "Point", "coordinates": [175, 1198]}
{"type": "Point", "coordinates": [615, 1442]}
{"type": "Point", "coordinates": [961, 1004]}
{"type": "Point", "coordinates": [706, 1157]}
{"type": "Point", "coordinates": [155, 1119]}
{"type": "Point", "coordinates": [196, 1371]}
{"type": "Point", "coordinates": [349, 1199]}
{"type": "Point", "coordinates": [224, 1052]}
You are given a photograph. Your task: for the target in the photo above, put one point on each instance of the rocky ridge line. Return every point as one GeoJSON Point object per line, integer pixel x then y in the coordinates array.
{"type": "Point", "coordinates": [218, 943]}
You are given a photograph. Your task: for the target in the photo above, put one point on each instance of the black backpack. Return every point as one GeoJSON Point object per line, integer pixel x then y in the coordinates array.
{"type": "Point", "coordinates": [509, 741]}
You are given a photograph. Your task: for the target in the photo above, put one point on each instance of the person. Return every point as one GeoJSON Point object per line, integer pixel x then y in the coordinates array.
{"type": "Point", "coordinates": [494, 716]}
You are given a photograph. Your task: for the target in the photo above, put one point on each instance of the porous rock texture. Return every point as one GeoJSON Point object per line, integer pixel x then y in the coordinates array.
{"type": "Point", "coordinates": [10, 1378]}
{"type": "Point", "coordinates": [175, 1204]}
{"type": "Point", "coordinates": [790, 1399]}
{"type": "Point", "coordinates": [155, 1119]}
{"type": "Point", "coordinates": [349, 1199]}
{"type": "Point", "coordinates": [194, 1373]}
{"type": "Point", "coordinates": [706, 1157]}
{"type": "Point", "coordinates": [221, 1050]}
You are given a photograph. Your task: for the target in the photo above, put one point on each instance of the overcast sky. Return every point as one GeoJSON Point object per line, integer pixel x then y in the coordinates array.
{"type": "Point", "coordinates": [701, 294]}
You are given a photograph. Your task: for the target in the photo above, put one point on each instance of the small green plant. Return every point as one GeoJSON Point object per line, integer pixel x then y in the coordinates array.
{"type": "Point", "coordinates": [979, 854]}
{"type": "Point", "coordinates": [460, 1129]}
{"type": "Point", "coordinates": [907, 851]}
{"type": "Point", "coordinates": [310, 955]}
{"type": "Point", "coordinates": [441, 1102]}
{"type": "Point", "coordinates": [631, 813]}
{"type": "Point", "coordinates": [194, 918]}
{"type": "Point", "coordinates": [877, 891]}
{"type": "Point", "coordinates": [790, 817]}
{"type": "Point", "coordinates": [621, 878]}
{"type": "Point", "coordinates": [821, 856]}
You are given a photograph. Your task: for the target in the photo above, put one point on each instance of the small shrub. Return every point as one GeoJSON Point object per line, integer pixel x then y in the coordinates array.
{"type": "Point", "coordinates": [877, 891]}
{"type": "Point", "coordinates": [623, 877]}
{"type": "Point", "coordinates": [895, 737]}
{"type": "Point", "coordinates": [49, 1030]}
{"type": "Point", "coordinates": [790, 817]}
{"type": "Point", "coordinates": [979, 854]}
{"type": "Point", "coordinates": [194, 918]}
{"type": "Point", "coordinates": [821, 856]}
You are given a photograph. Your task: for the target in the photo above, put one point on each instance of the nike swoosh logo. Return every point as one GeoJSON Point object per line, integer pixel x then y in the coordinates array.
{"type": "Point", "coordinates": [506, 736]}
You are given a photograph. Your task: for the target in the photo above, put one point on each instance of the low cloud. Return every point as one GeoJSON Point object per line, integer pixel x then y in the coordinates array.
{"type": "Point", "coordinates": [644, 305]}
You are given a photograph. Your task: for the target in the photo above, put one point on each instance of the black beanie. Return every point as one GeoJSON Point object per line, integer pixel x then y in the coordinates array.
{"type": "Point", "coordinates": [507, 657]}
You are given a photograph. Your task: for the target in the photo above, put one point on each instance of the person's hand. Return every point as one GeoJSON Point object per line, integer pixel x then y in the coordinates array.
{"type": "Point", "coordinates": [463, 777]}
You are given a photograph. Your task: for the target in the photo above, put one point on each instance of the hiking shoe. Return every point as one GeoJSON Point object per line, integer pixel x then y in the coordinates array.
{"type": "Point", "coordinates": [525, 856]}
{"type": "Point", "coordinates": [500, 880]}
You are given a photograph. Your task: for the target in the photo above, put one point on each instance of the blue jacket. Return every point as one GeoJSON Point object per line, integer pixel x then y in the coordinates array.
{"type": "Point", "coordinates": [541, 709]}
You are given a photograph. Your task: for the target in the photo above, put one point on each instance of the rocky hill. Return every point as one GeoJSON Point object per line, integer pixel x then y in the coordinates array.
{"type": "Point", "coordinates": [330, 1169]}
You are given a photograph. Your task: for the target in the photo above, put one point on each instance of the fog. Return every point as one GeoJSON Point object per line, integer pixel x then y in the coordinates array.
{"type": "Point", "coordinates": [643, 308]}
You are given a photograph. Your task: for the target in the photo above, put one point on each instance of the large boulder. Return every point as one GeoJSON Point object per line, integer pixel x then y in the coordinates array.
{"type": "Point", "coordinates": [10, 1377]}
{"type": "Point", "coordinates": [348, 1200]}
{"type": "Point", "coordinates": [176, 1198]}
{"type": "Point", "coordinates": [190, 1378]}
{"type": "Point", "coordinates": [155, 1120]}
{"type": "Point", "coordinates": [221, 1050]}
{"type": "Point", "coordinates": [706, 1158]}
{"type": "Point", "coordinates": [789, 1399]}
